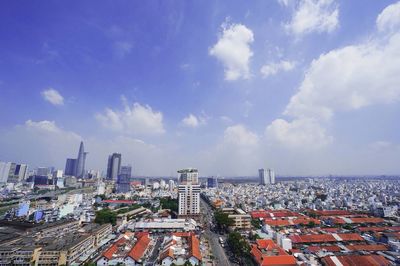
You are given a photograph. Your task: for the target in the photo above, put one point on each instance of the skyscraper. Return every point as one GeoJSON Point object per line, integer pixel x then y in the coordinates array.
{"type": "Point", "coordinates": [266, 176]}
{"type": "Point", "coordinates": [113, 166]}
{"type": "Point", "coordinates": [271, 175]}
{"type": "Point", "coordinates": [80, 161]}
{"type": "Point", "coordinates": [76, 167]}
{"type": "Point", "coordinates": [4, 171]}
{"type": "Point", "coordinates": [124, 179]}
{"type": "Point", "coordinates": [262, 176]}
{"type": "Point", "coordinates": [212, 182]}
{"type": "Point", "coordinates": [189, 193]}
{"type": "Point", "coordinates": [70, 167]}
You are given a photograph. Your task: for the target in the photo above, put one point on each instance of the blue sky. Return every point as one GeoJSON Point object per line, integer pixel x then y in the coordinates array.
{"type": "Point", "coordinates": [301, 86]}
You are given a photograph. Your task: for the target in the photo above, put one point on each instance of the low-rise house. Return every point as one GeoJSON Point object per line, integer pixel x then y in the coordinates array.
{"type": "Point", "coordinates": [130, 249]}
{"type": "Point", "coordinates": [180, 248]}
{"type": "Point", "coordinates": [267, 252]}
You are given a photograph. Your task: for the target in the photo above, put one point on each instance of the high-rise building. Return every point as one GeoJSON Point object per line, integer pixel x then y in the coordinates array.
{"type": "Point", "coordinates": [4, 171]}
{"type": "Point", "coordinates": [42, 171]}
{"type": "Point", "coordinates": [271, 175]}
{"type": "Point", "coordinates": [12, 172]}
{"type": "Point", "coordinates": [188, 175]}
{"type": "Point", "coordinates": [262, 176]}
{"type": "Point", "coordinates": [113, 166]}
{"type": "Point", "coordinates": [266, 176]}
{"type": "Point", "coordinates": [80, 161]}
{"type": "Point", "coordinates": [212, 182]}
{"type": "Point", "coordinates": [124, 179]}
{"type": "Point", "coordinates": [76, 167]}
{"type": "Point", "coordinates": [189, 192]}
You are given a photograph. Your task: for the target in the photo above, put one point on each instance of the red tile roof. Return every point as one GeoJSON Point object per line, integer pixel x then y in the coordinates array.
{"type": "Point", "coordinates": [350, 260]}
{"type": "Point", "coordinates": [140, 247]}
{"type": "Point", "coordinates": [266, 252]}
{"type": "Point", "coordinates": [114, 247]}
{"type": "Point", "coordinates": [291, 222]}
{"type": "Point", "coordinates": [367, 247]}
{"type": "Point", "coordinates": [273, 213]}
{"type": "Point", "coordinates": [331, 212]}
{"type": "Point", "coordinates": [315, 249]}
{"type": "Point", "coordinates": [358, 220]}
{"type": "Point", "coordinates": [195, 247]}
{"type": "Point", "coordinates": [379, 229]}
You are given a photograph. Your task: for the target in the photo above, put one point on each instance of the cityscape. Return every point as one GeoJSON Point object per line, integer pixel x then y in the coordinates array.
{"type": "Point", "coordinates": [226, 133]}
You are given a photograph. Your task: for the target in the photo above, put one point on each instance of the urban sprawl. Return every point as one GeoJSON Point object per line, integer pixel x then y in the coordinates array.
{"type": "Point", "coordinates": [77, 216]}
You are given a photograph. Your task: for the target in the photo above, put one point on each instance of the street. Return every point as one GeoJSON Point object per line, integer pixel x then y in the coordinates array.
{"type": "Point", "coordinates": [220, 257]}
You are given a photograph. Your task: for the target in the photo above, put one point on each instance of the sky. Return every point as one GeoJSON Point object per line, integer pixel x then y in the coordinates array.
{"type": "Point", "coordinates": [304, 87]}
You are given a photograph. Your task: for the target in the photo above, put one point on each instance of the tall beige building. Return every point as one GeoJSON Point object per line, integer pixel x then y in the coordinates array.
{"type": "Point", "coordinates": [189, 192]}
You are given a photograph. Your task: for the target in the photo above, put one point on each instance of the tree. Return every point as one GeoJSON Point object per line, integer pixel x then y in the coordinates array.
{"type": "Point", "coordinates": [256, 223]}
{"type": "Point", "coordinates": [222, 220]}
{"type": "Point", "coordinates": [105, 216]}
{"type": "Point", "coordinates": [169, 203]}
{"type": "Point", "coordinates": [311, 224]}
{"type": "Point", "coordinates": [238, 244]}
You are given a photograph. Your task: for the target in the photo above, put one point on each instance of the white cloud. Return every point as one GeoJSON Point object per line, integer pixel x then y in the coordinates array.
{"type": "Point", "coordinates": [193, 121]}
{"type": "Point", "coordinates": [350, 78]}
{"type": "Point", "coordinates": [239, 135]}
{"type": "Point", "coordinates": [136, 119]}
{"type": "Point", "coordinates": [273, 68]}
{"type": "Point", "coordinates": [302, 133]}
{"type": "Point", "coordinates": [341, 80]}
{"type": "Point", "coordinates": [389, 18]}
{"type": "Point", "coordinates": [233, 50]}
{"type": "Point", "coordinates": [313, 16]}
{"type": "Point", "coordinates": [53, 96]}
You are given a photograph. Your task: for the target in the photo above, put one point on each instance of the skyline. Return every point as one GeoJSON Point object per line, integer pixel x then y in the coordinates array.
{"type": "Point", "coordinates": [302, 87]}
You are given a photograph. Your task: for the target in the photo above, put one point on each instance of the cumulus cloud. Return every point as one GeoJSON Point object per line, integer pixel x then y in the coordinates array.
{"type": "Point", "coordinates": [313, 16]}
{"type": "Point", "coordinates": [389, 18]}
{"type": "Point", "coordinates": [341, 80]}
{"type": "Point", "coordinates": [274, 68]}
{"type": "Point", "coordinates": [53, 96]}
{"type": "Point", "coordinates": [240, 135]}
{"type": "Point", "coordinates": [233, 50]}
{"type": "Point", "coordinates": [193, 121]}
{"type": "Point", "coordinates": [302, 133]}
{"type": "Point", "coordinates": [133, 120]}
{"type": "Point", "coordinates": [350, 78]}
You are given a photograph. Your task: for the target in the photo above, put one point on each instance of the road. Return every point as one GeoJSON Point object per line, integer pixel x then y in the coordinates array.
{"type": "Point", "coordinates": [220, 257]}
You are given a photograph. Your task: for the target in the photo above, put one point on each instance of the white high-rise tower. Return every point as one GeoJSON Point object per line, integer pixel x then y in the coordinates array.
{"type": "Point", "coordinates": [189, 192]}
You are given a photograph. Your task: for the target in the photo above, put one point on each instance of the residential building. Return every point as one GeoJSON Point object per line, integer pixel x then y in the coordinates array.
{"type": "Point", "coordinates": [188, 193]}
{"type": "Point", "coordinates": [241, 220]}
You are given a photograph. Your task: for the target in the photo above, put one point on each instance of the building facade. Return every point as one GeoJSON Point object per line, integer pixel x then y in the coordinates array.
{"type": "Point", "coordinates": [113, 166]}
{"type": "Point", "coordinates": [189, 193]}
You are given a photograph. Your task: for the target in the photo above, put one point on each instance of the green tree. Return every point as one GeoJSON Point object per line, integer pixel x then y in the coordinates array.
{"type": "Point", "coordinates": [238, 245]}
{"type": "Point", "coordinates": [222, 220]}
{"type": "Point", "coordinates": [256, 223]}
{"type": "Point", "coordinates": [105, 216]}
{"type": "Point", "coordinates": [169, 203]}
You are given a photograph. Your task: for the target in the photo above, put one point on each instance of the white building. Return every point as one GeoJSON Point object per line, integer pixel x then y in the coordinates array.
{"type": "Point", "coordinates": [4, 171]}
{"type": "Point", "coordinates": [266, 176]}
{"type": "Point", "coordinates": [189, 192]}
